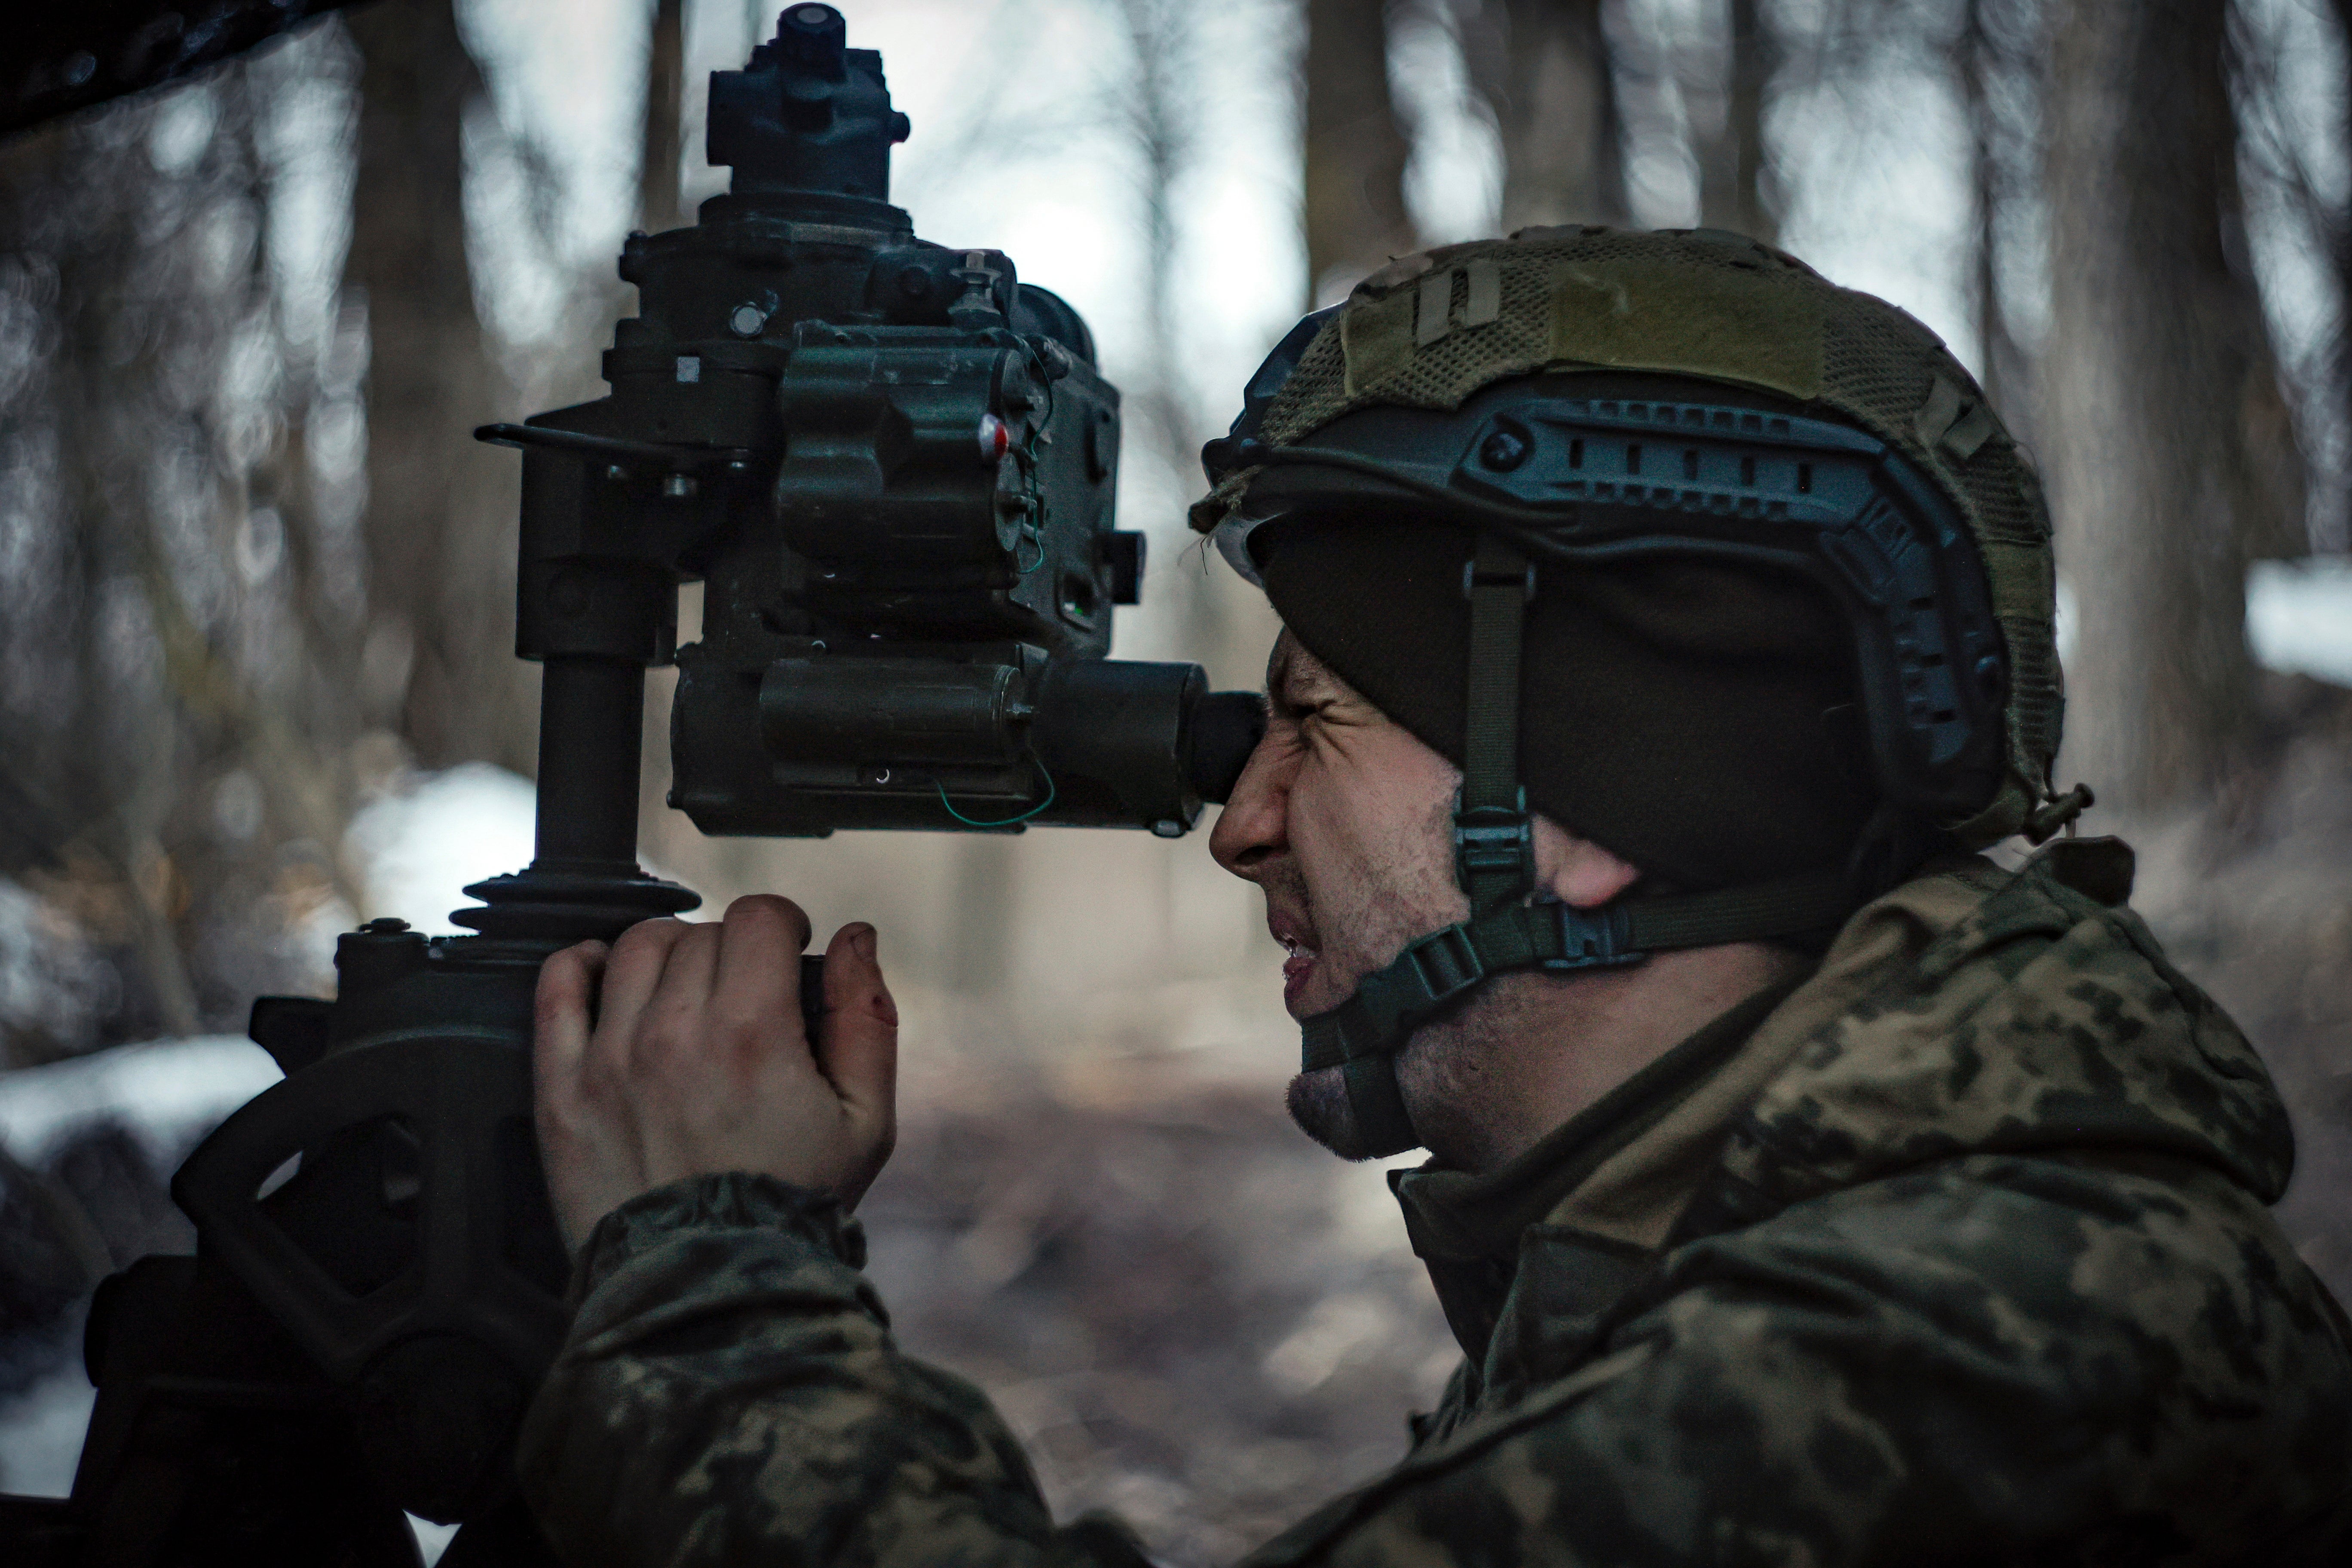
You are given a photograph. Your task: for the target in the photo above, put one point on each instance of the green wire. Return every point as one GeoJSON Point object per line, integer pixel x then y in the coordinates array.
{"type": "Point", "coordinates": [1007, 822]}
{"type": "Point", "coordinates": [1029, 536]}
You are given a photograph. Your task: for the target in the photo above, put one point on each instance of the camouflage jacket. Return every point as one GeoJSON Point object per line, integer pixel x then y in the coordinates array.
{"type": "Point", "coordinates": [1959, 1256]}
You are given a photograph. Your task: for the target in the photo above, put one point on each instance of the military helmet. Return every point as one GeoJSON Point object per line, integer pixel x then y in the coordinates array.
{"type": "Point", "coordinates": [1906, 480]}
{"type": "Point", "coordinates": [1781, 422]}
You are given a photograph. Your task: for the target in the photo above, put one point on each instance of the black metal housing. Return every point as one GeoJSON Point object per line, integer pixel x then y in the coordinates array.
{"type": "Point", "coordinates": [62, 59]}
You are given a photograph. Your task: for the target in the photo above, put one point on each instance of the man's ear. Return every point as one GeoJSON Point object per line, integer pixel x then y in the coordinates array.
{"type": "Point", "coordinates": [1577, 871]}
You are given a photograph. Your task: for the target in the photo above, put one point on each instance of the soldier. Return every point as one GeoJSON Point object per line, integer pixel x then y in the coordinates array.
{"type": "Point", "coordinates": [1667, 631]}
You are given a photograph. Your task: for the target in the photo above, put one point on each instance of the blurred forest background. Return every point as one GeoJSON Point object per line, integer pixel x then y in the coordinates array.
{"type": "Point", "coordinates": [255, 671]}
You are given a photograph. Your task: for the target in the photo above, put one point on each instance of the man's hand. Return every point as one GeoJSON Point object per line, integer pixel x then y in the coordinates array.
{"type": "Point", "coordinates": [696, 1061]}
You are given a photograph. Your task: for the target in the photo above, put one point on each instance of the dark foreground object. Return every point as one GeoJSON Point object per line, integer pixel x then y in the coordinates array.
{"type": "Point", "coordinates": [66, 58]}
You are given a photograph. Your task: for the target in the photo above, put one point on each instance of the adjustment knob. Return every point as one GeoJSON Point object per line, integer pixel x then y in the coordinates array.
{"type": "Point", "coordinates": [813, 36]}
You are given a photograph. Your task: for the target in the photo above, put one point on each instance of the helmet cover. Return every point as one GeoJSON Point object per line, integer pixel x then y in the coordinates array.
{"type": "Point", "coordinates": [1431, 330]}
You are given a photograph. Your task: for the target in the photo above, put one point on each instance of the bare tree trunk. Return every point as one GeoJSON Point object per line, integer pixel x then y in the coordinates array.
{"type": "Point", "coordinates": [1738, 187]}
{"type": "Point", "coordinates": [659, 176]}
{"type": "Point", "coordinates": [1725, 93]}
{"type": "Point", "coordinates": [1156, 101]}
{"type": "Point", "coordinates": [1978, 60]}
{"type": "Point", "coordinates": [1161, 412]}
{"type": "Point", "coordinates": [2333, 531]}
{"type": "Point", "coordinates": [1544, 70]}
{"type": "Point", "coordinates": [2166, 468]}
{"type": "Point", "coordinates": [1754, 55]}
{"type": "Point", "coordinates": [440, 509]}
{"type": "Point", "coordinates": [1354, 212]}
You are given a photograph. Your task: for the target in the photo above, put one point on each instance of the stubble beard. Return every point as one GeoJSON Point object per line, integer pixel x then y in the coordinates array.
{"type": "Point", "coordinates": [1317, 1100]}
{"type": "Point", "coordinates": [1443, 1074]}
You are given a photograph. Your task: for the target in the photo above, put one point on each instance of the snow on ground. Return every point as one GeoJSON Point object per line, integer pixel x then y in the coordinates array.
{"type": "Point", "coordinates": [422, 847]}
{"type": "Point", "coordinates": [166, 1094]}
{"type": "Point", "coordinates": [41, 1431]}
{"type": "Point", "coordinates": [51, 986]}
{"type": "Point", "coordinates": [2299, 616]}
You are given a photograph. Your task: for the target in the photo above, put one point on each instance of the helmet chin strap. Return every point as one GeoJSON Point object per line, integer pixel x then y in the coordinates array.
{"type": "Point", "coordinates": [1494, 863]}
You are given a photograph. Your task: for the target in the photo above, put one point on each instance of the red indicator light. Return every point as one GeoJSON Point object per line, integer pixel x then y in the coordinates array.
{"type": "Point", "coordinates": [995, 439]}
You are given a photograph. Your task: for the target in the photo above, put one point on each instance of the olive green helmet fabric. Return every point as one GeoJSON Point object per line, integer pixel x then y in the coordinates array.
{"type": "Point", "coordinates": [1697, 718]}
{"type": "Point", "coordinates": [1430, 330]}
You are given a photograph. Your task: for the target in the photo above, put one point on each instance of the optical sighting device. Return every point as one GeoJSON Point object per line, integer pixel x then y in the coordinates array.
{"type": "Point", "coordinates": [890, 463]}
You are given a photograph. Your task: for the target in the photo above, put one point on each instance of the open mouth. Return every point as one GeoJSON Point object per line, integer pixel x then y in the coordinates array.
{"type": "Point", "coordinates": [1295, 968]}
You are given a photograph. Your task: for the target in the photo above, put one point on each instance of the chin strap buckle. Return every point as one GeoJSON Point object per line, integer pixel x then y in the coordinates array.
{"type": "Point", "coordinates": [1494, 840]}
{"type": "Point", "coordinates": [1495, 853]}
{"type": "Point", "coordinates": [1591, 938]}
{"type": "Point", "coordinates": [1437, 970]}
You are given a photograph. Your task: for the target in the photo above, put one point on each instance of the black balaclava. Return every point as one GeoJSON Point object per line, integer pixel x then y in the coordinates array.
{"type": "Point", "coordinates": [1697, 720]}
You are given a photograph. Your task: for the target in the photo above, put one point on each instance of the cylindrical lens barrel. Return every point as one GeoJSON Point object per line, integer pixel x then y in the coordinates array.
{"type": "Point", "coordinates": [1121, 726]}
{"type": "Point", "coordinates": [887, 710]}
{"type": "Point", "coordinates": [1225, 729]}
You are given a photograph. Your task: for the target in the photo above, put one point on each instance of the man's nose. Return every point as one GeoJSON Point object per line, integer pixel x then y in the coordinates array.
{"type": "Point", "coordinates": [1252, 827]}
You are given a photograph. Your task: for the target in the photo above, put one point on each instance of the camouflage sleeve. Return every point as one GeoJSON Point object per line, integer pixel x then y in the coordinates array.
{"type": "Point", "coordinates": [1992, 1360]}
{"type": "Point", "coordinates": [729, 1394]}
